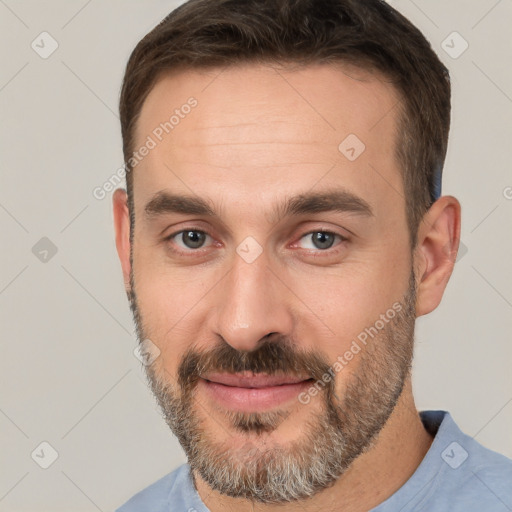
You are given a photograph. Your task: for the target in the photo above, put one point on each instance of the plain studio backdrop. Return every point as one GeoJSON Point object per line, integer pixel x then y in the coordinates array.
{"type": "Point", "coordinates": [69, 376]}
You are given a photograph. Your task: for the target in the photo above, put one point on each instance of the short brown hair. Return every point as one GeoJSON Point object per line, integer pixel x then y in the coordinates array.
{"type": "Point", "coordinates": [367, 33]}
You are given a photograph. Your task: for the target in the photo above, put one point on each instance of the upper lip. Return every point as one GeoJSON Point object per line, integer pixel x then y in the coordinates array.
{"type": "Point", "coordinates": [252, 380]}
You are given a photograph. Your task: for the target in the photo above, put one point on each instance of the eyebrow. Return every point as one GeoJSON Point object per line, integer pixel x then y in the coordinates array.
{"type": "Point", "coordinates": [338, 200]}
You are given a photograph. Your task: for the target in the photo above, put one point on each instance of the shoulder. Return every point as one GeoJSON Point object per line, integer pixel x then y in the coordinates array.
{"type": "Point", "coordinates": [471, 476]}
{"type": "Point", "coordinates": [155, 497]}
{"type": "Point", "coordinates": [485, 480]}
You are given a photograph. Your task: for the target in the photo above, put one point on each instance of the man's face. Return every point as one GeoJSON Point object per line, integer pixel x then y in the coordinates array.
{"type": "Point", "coordinates": [302, 262]}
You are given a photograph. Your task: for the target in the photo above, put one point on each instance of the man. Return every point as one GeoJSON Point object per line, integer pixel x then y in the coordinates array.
{"type": "Point", "coordinates": [281, 231]}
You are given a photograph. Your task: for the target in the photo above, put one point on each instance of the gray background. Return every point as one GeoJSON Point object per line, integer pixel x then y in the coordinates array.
{"type": "Point", "coordinates": [68, 373]}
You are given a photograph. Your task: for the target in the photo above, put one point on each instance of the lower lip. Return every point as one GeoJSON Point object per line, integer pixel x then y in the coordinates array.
{"type": "Point", "coordinates": [253, 399]}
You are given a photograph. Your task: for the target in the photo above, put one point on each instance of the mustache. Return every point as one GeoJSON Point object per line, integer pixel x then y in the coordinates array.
{"type": "Point", "coordinates": [273, 356]}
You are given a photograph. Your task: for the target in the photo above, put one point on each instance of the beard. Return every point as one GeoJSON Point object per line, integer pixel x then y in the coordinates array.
{"type": "Point", "coordinates": [330, 440]}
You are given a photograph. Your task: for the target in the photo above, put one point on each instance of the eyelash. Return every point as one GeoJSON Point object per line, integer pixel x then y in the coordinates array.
{"type": "Point", "coordinates": [315, 253]}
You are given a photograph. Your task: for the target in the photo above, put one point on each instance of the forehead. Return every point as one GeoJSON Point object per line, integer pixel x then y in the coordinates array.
{"type": "Point", "coordinates": [258, 128]}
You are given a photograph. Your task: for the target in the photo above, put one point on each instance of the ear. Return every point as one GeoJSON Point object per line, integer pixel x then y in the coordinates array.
{"type": "Point", "coordinates": [436, 251]}
{"type": "Point", "coordinates": [122, 232]}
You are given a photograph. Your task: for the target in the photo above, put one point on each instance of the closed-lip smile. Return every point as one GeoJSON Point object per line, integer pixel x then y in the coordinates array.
{"type": "Point", "coordinates": [250, 392]}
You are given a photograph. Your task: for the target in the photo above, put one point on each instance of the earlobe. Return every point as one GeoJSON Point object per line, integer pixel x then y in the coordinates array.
{"type": "Point", "coordinates": [435, 253]}
{"type": "Point", "coordinates": [122, 232]}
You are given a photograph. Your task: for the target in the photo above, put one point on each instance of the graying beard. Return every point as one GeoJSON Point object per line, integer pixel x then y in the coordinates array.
{"type": "Point", "coordinates": [277, 476]}
{"type": "Point", "coordinates": [348, 427]}
{"type": "Point", "coordinates": [257, 423]}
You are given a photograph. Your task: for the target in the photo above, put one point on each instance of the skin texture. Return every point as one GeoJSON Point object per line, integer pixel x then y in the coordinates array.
{"type": "Point", "coordinates": [257, 136]}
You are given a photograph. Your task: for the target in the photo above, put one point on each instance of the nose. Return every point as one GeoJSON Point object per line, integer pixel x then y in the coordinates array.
{"type": "Point", "coordinates": [251, 303]}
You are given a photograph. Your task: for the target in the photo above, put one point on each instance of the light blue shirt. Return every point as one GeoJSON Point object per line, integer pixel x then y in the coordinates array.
{"type": "Point", "coordinates": [457, 474]}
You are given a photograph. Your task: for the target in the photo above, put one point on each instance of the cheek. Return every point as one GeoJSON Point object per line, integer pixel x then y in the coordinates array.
{"type": "Point", "coordinates": [338, 306]}
{"type": "Point", "coordinates": [167, 301]}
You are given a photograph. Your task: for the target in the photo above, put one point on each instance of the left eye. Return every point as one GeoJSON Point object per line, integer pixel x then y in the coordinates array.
{"type": "Point", "coordinates": [320, 240]}
{"type": "Point", "coordinates": [190, 239]}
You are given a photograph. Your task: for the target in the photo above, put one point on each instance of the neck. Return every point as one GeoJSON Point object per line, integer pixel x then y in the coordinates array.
{"type": "Point", "coordinates": [372, 478]}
